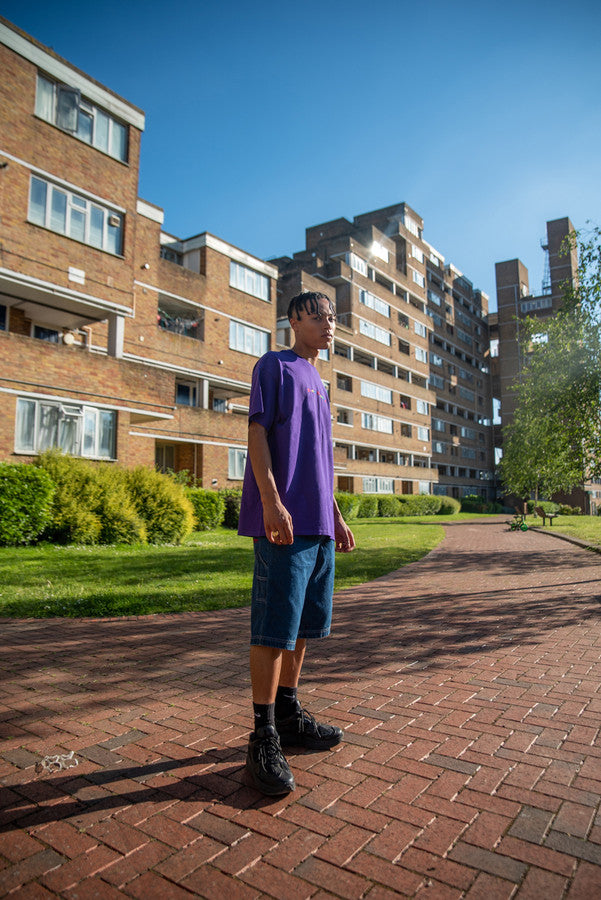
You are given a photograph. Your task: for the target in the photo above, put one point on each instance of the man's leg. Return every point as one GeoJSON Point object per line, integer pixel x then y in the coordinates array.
{"type": "Point", "coordinates": [292, 663]}
{"type": "Point", "coordinates": [265, 761]}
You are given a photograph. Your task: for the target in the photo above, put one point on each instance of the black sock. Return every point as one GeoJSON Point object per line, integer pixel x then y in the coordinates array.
{"type": "Point", "coordinates": [285, 702]}
{"type": "Point", "coordinates": [264, 714]}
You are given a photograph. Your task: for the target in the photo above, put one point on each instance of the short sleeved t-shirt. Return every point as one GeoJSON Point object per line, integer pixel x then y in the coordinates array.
{"type": "Point", "coordinates": [289, 400]}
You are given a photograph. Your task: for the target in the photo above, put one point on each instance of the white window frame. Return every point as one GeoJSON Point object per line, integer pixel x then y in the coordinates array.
{"type": "Point", "coordinates": [249, 281]}
{"type": "Point", "coordinates": [420, 328]}
{"type": "Point", "coordinates": [93, 113]}
{"type": "Point", "coordinates": [357, 263]}
{"type": "Point", "coordinates": [421, 355]}
{"type": "Point", "coordinates": [245, 339]}
{"type": "Point", "coordinates": [370, 300]}
{"type": "Point", "coordinates": [418, 278]}
{"type": "Point", "coordinates": [78, 414]}
{"type": "Point", "coordinates": [236, 462]}
{"type": "Point", "coordinates": [376, 392]}
{"type": "Point", "coordinates": [423, 433]}
{"type": "Point", "coordinates": [374, 332]}
{"type": "Point", "coordinates": [371, 422]}
{"type": "Point", "coordinates": [422, 407]}
{"type": "Point", "coordinates": [76, 206]}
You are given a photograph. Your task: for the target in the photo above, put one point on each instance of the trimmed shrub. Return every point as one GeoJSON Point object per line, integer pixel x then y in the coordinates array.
{"type": "Point", "coordinates": [92, 503]}
{"type": "Point", "coordinates": [389, 506]}
{"type": "Point", "coordinates": [368, 506]}
{"type": "Point", "coordinates": [209, 508]}
{"type": "Point", "coordinates": [419, 504]}
{"type": "Point", "coordinates": [232, 498]}
{"type": "Point", "coordinates": [162, 504]}
{"type": "Point", "coordinates": [77, 498]}
{"type": "Point", "coordinates": [548, 506]}
{"type": "Point", "coordinates": [348, 504]}
{"type": "Point", "coordinates": [448, 506]}
{"type": "Point", "coordinates": [475, 503]}
{"type": "Point", "coordinates": [26, 494]}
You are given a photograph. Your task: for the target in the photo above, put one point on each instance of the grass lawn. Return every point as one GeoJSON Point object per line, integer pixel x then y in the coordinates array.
{"type": "Point", "coordinates": [585, 528]}
{"type": "Point", "coordinates": [211, 570]}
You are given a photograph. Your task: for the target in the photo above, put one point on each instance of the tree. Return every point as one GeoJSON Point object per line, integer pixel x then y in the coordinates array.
{"type": "Point", "coordinates": [554, 440]}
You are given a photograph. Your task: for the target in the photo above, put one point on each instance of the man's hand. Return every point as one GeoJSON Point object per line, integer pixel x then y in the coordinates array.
{"type": "Point", "coordinates": [343, 536]}
{"type": "Point", "coordinates": [278, 523]}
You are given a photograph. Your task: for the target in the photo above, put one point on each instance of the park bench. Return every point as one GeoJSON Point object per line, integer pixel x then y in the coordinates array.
{"type": "Point", "coordinates": [545, 515]}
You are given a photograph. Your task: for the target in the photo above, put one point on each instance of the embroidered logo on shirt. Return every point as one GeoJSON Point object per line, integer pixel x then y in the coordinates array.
{"type": "Point", "coordinates": [313, 391]}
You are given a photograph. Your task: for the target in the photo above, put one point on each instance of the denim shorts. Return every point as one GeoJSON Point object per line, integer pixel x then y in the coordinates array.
{"type": "Point", "coordinates": [292, 591]}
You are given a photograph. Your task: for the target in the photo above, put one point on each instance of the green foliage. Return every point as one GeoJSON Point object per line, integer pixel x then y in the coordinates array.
{"type": "Point", "coordinates": [448, 506]}
{"type": "Point", "coordinates": [567, 510]}
{"type": "Point", "coordinates": [162, 504]}
{"type": "Point", "coordinates": [25, 502]}
{"type": "Point", "coordinates": [554, 440]}
{"type": "Point", "coordinates": [419, 504]}
{"type": "Point", "coordinates": [368, 506]}
{"type": "Point", "coordinates": [389, 506]}
{"type": "Point", "coordinates": [475, 503]}
{"type": "Point", "coordinates": [348, 504]}
{"type": "Point", "coordinates": [209, 508]}
{"type": "Point", "coordinates": [232, 498]}
{"type": "Point", "coordinates": [547, 506]}
{"type": "Point", "coordinates": [102, 503]}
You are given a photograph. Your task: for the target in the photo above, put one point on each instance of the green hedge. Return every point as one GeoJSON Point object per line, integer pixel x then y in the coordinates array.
{"type": "Point", "coordinates": [162, 504]}
{"type": "Point", "coordinates": [232, 498]}
{"type": "Point", "coordinates": [389, 506]}
{"type": "Point", "coordinates": [100, 503]}
{"type": "Point", "coordinates": [26, 494]}
{"type": "Point", "coordinates": [420, 504]}
{"type": "Point", "coordinates": [448, 506]}
{"type": "Point", "coordinates": [209, 508]}
{"type": "Point", "coordinates": [348, 504]}
{"type": "Point", "coordinates": [368, 506]}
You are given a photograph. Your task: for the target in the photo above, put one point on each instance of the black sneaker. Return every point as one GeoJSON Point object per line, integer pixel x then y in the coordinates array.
{"type": "Point", "coordinates": [266, 764]}
{"type": "Point", "coordinates": [301, 730]}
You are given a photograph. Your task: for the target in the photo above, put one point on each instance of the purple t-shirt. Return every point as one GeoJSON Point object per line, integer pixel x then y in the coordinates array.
{"type": "Point", "coordinates": [289, 400]}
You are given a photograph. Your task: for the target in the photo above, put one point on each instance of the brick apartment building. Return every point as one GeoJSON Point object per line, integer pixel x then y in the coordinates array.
{"type": "Point", "coordinates": [117, 342]}
{"type": "Point", "coordinates": [121, 342]}
{"type": "Point", "coordinates": [409, 376]}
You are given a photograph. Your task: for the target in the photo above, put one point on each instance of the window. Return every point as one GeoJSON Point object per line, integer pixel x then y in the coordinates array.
{"type": "Point", "coordinates": [324, 353]}
{"type": "Point", "coordinates": [356, 263]}
{"type": "Point", "coordinates": [344, 382]}
{"type": "Point", "coordinates": [185, 393]}
{"type": "Point", "coordinates": [67, 213]}
{"type": "Point", "coordinates": [420, 329]}
{"type": "Point", "coordinates": [418, 278]}
{"type": "Point", "coordinates": [541, 338]}
{"type": "Point", "coordinates": [342, 350]}
{"type": "Point", "coordinates": [527, 306]}
{"type": "Point", "coordinates": [411, 225]}
{"type": "Point", "coordinates": [219, 404]}
{"type": "Point", "coordinates": [64, 107]}
{"type": "Point", "coordinates": [73, 428]}
{"type": "Point", "coordinates": [236, 462]}
{"type": "Point", "coordinates": [423, 433]}
{"type": "Point", "coordinates": [380, 251]}
{"type": "Point", "coordinates": [403, 320]}
{"type": "Point", "coordinates": [434, 298]}
{"type": "Point", "coordinates": [406, 429]}
{"type": "Point", "coordinates": [376, 392]}
{"type": "Point", "coordinates": [417, 253]}
{"type": "Point", "coordinates": [422, 407]}
{"type": "Point", "coordinates": [164, 457]}
{"type": "Point", "coordinates": [249, 281]}
{"type": "Point", "coordinates": [373, 485]}
{"type": "Point", "coordinates": [438, 425]}
{"type": "Point", "coordinates": [439, 447]}
{"type": "Point", "coordinates": [468, 452]}
{"type": "Point", "coordinates": [248, 340]}
{"type": "Point", "coordinates": [372, 331]}
{"type": "Point", "coordinates": [468, 433]}
{"type": "Point", "coordinates": [421, 355]}
{"type": "Point", "coordinates": [373, 302]}
{"type": "Point", "coordinates": [376, 423]}
{"type": "Point", "coordinates": [180, 318]}
{"type": "Point", "coordinates": [467, 394]}
{"type": "Point", "coordinates": [344, 416]}
{"type": "Point", "coordinates": [465, 337]}
{"type": "Point", "coordinates": [435, 381]}
{"type": "Point", "coordinates": [3, 317]}
{"type": "Point", "coordinates": [424, 487]}
{"type": "Point", "coordinates": [45, 334]}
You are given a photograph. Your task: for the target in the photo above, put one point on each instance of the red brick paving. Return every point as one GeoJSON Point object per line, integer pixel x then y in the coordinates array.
{"type": "Point", "coordinates": [469, 688]}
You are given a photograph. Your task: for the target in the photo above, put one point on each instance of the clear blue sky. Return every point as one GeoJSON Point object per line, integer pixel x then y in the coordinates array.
{"type": "Point", "coordinates": [264, 118]}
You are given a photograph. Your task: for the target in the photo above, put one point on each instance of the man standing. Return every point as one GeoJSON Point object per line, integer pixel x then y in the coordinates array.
{"type": "Point", "coordinates": [288, 507]}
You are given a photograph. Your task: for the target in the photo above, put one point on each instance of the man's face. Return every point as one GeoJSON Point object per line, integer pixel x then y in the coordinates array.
{"type": "Point", "coordinates": [316, 328]}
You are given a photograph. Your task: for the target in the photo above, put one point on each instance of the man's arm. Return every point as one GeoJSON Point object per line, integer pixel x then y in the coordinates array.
{"type": "Point", "coordinates": [345, 541]}
{"type": "Point", "coordinates": [276, 517]}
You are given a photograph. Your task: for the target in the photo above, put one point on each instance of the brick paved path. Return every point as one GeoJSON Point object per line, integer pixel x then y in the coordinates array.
{"type": "Point", "coordinates": [468, 685]}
